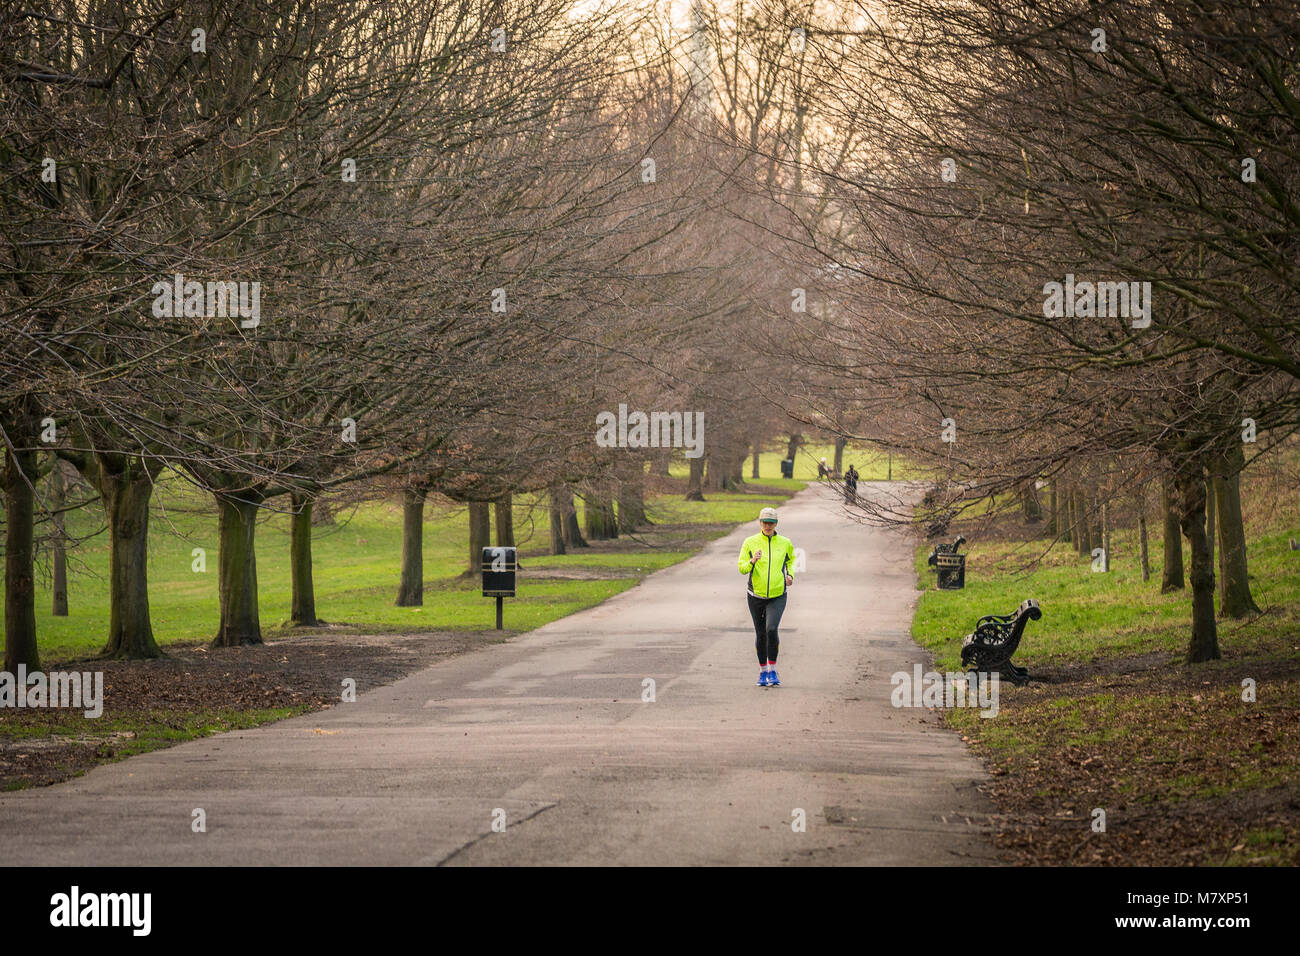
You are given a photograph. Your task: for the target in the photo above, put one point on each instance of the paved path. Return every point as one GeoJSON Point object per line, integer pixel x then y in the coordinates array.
{"type": "Point", "coordinates": [552, 730]}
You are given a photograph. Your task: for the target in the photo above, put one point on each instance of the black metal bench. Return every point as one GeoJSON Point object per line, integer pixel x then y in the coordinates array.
{"type": "Point", "coordinates": [996, 637]}
{"type": "Point", "coordinates": [933, 559]}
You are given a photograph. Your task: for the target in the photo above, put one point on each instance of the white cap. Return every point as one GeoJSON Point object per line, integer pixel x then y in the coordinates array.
{"type": "Point", "coordinates": [767, 514]}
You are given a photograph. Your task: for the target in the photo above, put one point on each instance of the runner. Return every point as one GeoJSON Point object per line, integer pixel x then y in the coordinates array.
{"type": "Point", "coordinates": [768, 559]}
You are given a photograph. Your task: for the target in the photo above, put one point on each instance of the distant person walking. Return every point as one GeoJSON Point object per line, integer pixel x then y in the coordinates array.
{"type": "Point", "coordinates": [851, 485]}
{"type": "Point", "coordinates": [768, 559]}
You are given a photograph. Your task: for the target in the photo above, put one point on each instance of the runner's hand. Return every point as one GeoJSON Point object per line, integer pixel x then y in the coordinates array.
{"type": "Point", "coordinates": [788, 580]}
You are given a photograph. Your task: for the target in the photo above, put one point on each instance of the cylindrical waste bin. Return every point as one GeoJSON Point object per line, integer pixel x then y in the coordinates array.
{"type": "Point", "coordinates": [787, 467]}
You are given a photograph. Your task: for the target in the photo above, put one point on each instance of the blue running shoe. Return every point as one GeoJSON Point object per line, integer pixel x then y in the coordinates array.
{"type": "Point", "coordinates": [762, 678]}
{"type": "Point", "coordinates": [772, 679]}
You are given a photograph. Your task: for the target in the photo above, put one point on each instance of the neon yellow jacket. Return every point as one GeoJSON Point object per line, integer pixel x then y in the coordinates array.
{"type": "Point", "coordinates": [773, 559]}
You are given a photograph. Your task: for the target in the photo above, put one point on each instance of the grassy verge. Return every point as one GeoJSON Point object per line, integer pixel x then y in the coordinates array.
{"type": "Point", "coordinates": [1186, 769]}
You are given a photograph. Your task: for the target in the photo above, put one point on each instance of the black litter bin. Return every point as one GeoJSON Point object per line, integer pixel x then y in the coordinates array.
{"type": "Point", "coordinates": [787, 467]}
{"type": "Point", "coordinates": [952, 571]}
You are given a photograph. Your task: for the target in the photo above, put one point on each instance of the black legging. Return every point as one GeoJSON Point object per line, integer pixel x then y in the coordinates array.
{"type": "Point", "coordinates": [766, 613]}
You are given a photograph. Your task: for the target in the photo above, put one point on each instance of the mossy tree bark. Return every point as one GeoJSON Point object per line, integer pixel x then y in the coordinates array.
{"type": "Point", "coordinates": [302, 608]}
{"type": "Point", "coordinates": [480, 534]}
{"type": "Point", "coordinates": [1235, 599]}
{"type": "Point", "coordinates": [1143, 547]}
{"type": "Point", "coordinates": [126, 486]}
{"type": "Point", "coordinates": [631, 503]}
{"type": "Point", "coordinates": [695, 484]}
{"type": "Point", "coordinates": [410, 588]}
{"type": "Point", "coordinates": [58, 541]}
{"type": "Point", "coordinates": [563, 496]}
{"type": "Point", "coordinates": [1204, 642]}
{"type": "Point", "coordinates": [20, 520]}
{"type": "Point", "coordinates": [1172, 577]}
{"type": "Point", "coordinates": [503, 510]}
{"type": "Point", "coordinates": [555, 522]}
{"type": "Point", "coordinates": [237, 583]}
{"type": "Point", "coordinates": [598, 514]}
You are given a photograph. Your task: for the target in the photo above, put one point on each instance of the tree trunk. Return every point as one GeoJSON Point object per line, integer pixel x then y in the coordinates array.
{"type": "Point", "coordinates": [237, 526]}
{"type": "Point", "coordinates": [125, 489]}
{"type": "Point", "coordinates": [1097, 531]}
{"type": "Point", "coordinates": [713, 473]}
{"type": "Point", "coordinates": [1105, 537]}
{"type": "Point", "coordinates": [1204, 643]}
{"type": "Point", "coordinates": [631, 507]}
{"type": "Point", "coordinates": [1144, 551]}
{"type": "Point", "coordinates": [480, 534]}
{"type": "Point", "coordinates": [1235, 599]}
{"type": "Point", "coordinates": [753, 471]}
{"type": "Point", "coordinates": [840, 442]}
{"type": "Point", "coordinates": [58, 541]}
{"type": "Point", "coordinates": [792, 445]}
{"type": "Point", "coordinates": [1172, 578]}
{"type": "Point", "coordinates": [1209, 514]}
{"type": "Point", "coordinates": [302, 606]}
{"type": "Point", "coordinates": [1082, 523]}
{"type": "Point", "coordinates": [1033, 511]}
{"type": "Point", "coordinates": [410, 588]}
{"type": "Point", "coordinates": [1065, 526]}
{"type": "Point", "coordinates": [1054, 522]}
{"type": "Point", "coordinates": [555, 520]}
{"type": "Point", "coordinates": [20, 571]}
{"type": "Point", "coordinates": [598, 515]}
{"type": "Point", "coordinates": [733, 479]}
{"type": "Point", "coordinates": [695, 485]}
{"type": "Point", "coordinates": [505, 519]}
{"type": "Point", "coordinates": [572, 532]}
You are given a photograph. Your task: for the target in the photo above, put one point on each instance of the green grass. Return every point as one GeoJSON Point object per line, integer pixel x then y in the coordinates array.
{"type": "Point", "coordinates": [1117, 719]}
{"type": "Point", "coordinates": [1089, 615]}
{"type": "Point", "coordinates": [356, 564]}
